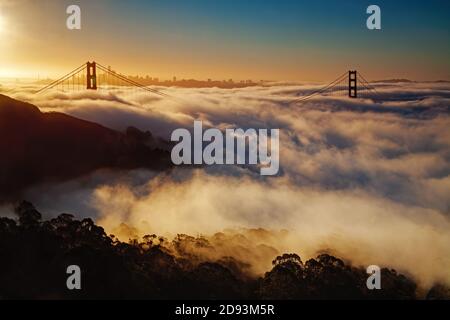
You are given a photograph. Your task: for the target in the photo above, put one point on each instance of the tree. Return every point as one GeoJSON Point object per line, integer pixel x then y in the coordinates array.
{"type": "Point", "coordinates": [28, 215]}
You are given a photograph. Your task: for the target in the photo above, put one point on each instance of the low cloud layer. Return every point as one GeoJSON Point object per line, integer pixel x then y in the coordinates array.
{"type": "Point", "coordinates": [368, 179]}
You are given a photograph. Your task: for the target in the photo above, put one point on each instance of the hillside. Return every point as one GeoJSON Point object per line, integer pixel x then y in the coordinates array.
{"type": "Point", "coordinates": [36, 147]}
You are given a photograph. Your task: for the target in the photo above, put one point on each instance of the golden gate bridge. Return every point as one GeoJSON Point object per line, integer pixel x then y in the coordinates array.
{"type": "Point", "coordinates": [95, 76]}
{"type": "Point", "coordinates": [351, 84]}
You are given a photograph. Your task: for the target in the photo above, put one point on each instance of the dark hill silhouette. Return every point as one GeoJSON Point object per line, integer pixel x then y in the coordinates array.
{"type": "Point", "coordinates": [37, 147]}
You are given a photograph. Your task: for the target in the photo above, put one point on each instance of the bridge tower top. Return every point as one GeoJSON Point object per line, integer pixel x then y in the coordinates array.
{"type": "Point", "coordinates": [352, 84]}
{"type": "Point", "coordinates": [91, 76]}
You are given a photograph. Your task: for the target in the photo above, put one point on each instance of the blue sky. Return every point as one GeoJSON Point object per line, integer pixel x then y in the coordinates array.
{"type": "Point", "coordinates": [257, 39]}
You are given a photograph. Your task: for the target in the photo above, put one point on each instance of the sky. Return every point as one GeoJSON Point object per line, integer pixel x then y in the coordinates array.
{"type": "Point", "coordinates": [223, 39]}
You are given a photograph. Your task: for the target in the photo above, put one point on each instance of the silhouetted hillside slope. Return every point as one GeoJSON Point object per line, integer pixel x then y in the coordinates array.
{"type": "Point", "coordinates": [36, 147]}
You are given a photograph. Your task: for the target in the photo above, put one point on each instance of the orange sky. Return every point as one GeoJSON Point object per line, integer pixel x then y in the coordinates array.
{"type": "Point", "coordinates": [164, 40]}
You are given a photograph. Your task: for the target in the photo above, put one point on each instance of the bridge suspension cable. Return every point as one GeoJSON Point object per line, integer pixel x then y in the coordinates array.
{"type": "Point", "coordinates": [62, 79]}
{"type": "Point", "coordinates": [72, 80]}
{"type": "Point", "coordinates": [367, 85]}
{"type": "Point", "coordinates": [131, 82]}
{"type": "Point", "coordinates": [323, 89]}
{"type": "Point", "coordinates": [354, 85]}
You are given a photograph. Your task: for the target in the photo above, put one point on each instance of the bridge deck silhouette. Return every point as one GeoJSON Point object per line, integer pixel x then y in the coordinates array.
{"type": "Point", "coordinates": [94, 76]}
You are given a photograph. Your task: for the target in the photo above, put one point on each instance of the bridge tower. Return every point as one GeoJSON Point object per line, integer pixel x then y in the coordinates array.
{"type": "Point", "coordinates": [91, 76]}
{"type": "Point", "coordinates": [352, 84]}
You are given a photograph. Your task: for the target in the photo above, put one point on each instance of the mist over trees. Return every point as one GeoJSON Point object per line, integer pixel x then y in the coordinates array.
{"type": "Point", "coordinates": [36, 253]}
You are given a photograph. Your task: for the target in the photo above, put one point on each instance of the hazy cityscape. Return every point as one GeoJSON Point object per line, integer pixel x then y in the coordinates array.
{"type": "Point", "coordinates": [106, 78]}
